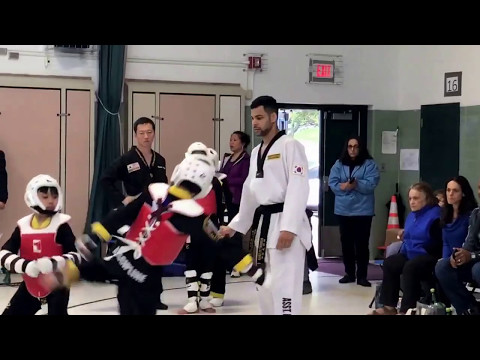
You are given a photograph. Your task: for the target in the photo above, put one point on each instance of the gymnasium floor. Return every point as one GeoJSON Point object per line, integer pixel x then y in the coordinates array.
{"type": "Point", "coordinates": [328, 297]}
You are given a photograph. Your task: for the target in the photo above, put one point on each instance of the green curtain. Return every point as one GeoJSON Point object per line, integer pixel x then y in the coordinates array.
{"type": "Point", "coordinates": [107, 127]}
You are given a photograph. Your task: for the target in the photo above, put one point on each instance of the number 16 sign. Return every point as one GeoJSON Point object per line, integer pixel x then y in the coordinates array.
{"type": "Point", "coordinates": [453, 84]}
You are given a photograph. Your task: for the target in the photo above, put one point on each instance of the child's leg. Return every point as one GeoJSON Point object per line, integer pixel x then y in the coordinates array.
{"type": "Point", "coordinates": [191, 279]}
{"type": "Point", "coordinates": [22, 303]}
{"type": "Point", "coordinates": [140, 297]}
{"type": "Point", "coordinates": [217, 290]}
{"type": "Point", "coordinates": [207, 256]}
{"type": "Point", "coordinates": [125, 298]}
{"type": "Point", "coordinates": [145, 301]}
{"type": "Point", "coordinates": [58, 302]}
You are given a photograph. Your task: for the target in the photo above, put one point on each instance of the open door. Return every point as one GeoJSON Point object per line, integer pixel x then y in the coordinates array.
{"type": "Point", "coordinates": [323, 129]}
{"type": "Point", "coordinates": [338, 123]}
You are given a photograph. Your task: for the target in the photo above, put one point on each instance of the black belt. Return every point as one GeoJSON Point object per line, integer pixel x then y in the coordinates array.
{"type": "Point", "coordinates": [266, 211]}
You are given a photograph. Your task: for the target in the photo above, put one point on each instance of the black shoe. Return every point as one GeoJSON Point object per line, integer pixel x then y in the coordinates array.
{"type": "Point", "coordinates": [364, 282]}
{"type": "Point", "coordinates": [346, 279]}
{"type": "Point", "coordinates": [474, 310]}
{"type": "Point", "coordinates": [162, 306]}
{"type": "Point", "coordinates": [307, 287]}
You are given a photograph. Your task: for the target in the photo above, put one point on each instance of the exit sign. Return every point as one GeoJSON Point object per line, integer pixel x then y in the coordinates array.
{"type": "Point", "coordinates": [321, 71]}
{"type": "Point", "coordinates": [325, 69]}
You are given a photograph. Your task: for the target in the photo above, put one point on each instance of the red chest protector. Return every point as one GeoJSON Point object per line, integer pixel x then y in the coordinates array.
{"type": "Point", "coordinates": [160, 245]}
{"type": "Point", "coordinates": [209, 203]}
{"type": "Point", "coordinates": [38, 243]}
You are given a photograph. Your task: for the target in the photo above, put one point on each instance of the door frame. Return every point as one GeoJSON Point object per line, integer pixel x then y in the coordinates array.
{"type": "Point", "coordinates": [323, 108]}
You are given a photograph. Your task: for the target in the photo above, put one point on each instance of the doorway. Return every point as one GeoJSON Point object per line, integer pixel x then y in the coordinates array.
{"type": "Point", "coordinates": [323, 130]}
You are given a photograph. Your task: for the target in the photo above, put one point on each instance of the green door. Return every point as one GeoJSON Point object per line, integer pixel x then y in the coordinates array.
{"type": "Point", "coordinates": [338, 124]}
{"type": "Point", "coordinates": [439, 143]}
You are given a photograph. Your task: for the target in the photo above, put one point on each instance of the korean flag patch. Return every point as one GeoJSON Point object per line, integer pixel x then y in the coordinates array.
{"type": "Point", "coordinates": [133, 167]}
{"type": "Point", "coordinates": [298, 170]}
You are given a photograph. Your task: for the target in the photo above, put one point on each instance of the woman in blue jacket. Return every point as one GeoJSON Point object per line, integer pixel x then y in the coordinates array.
{"type": "Point", "coordinates": [420, 251]}
{"type": "Point", "coordinates": [460, 201]}
{"type": "Point", "coordinates": [353, 179]}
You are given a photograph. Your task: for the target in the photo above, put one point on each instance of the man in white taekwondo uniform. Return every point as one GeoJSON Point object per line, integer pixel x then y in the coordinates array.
{"type": "Point", "coordinates": [274, 200]}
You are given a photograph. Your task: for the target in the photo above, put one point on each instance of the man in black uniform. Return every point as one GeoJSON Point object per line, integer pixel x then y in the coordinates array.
{"type": "Point", "coordinates": [136, 169]}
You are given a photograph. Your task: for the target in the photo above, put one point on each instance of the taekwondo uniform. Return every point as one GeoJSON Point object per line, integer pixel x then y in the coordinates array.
{"type": "Point", "coordinates": [274, 199]}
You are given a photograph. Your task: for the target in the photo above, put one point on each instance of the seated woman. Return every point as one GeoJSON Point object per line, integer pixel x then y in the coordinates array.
{"type": "Point", "coordinates": [462, 267]}
{"type": "Point", "coordinates": [460, 202]}
{"type": "Point", "coordinates": [421, 248]}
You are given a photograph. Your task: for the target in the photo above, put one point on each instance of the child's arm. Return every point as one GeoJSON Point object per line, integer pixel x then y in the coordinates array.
{"type": "Point", "coordinates": [66, 238]}
{"type": "Point", "coordinates": [113, 221]}
{"type": "Point", "coordinates": [124, 215]}
{"type": "Point", "coordinates": [14, 263]}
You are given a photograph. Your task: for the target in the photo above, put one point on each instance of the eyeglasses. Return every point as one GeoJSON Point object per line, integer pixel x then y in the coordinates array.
{"type": "Point", "coordinates": [353, 146]}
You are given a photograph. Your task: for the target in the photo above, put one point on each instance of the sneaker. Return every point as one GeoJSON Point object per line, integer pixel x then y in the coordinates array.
{"type": "Point", "coordinates": [190, 308]}
{"type": "Point", "coordinates": [206, 306]}
{"type": "Point", "coordinates": [216, 301]}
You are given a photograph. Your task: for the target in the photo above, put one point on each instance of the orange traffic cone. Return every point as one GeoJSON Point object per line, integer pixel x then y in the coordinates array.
{"type": "Point", "coordinates": [393, 215]}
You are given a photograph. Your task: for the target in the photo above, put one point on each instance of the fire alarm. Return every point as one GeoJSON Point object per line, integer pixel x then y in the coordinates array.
{"type": "Point", "coordinates": [254, 62]}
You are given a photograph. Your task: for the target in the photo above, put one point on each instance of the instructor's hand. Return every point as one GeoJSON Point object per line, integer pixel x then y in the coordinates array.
{"type": "Point", "coordinates": [285, 240]}
{"type": "Point", "coordinates": [225, 231]}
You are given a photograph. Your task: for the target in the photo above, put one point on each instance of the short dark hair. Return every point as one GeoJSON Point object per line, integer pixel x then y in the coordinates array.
{"type": "Point", "coordinates": [45, 189]}
{"type": "Point", "coordinates": [141, 121]}
{"type": "Point", "coordinates": [269, 104]}
{"type": "Point", "coordinates": [439, 192]}
{"type": "Point", "coordinates": [244, 138]}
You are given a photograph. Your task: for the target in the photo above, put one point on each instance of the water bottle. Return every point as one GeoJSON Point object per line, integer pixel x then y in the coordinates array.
{"type": "Point", "coordinates": [437, 308]}
{"type": "Point", "coordinates": [434, 298]}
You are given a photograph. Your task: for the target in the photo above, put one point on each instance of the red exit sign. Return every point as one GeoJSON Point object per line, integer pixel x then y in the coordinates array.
{"type": "Point", "coordinates": [323, 71]}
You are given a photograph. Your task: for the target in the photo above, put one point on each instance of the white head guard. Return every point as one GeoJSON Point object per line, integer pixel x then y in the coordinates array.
{"type": "Point", "coordinates": [31, 193]}
{"type": "Point", "coordinates": [200, 149]}
{"type": "Point", "coordinates": [194, 170]}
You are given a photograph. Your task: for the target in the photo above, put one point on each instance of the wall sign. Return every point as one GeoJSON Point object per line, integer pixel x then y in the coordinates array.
{"type": "Point", "coordinates": [325, 69]}
{"type": "Point", "coordinates": [453, 84]}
